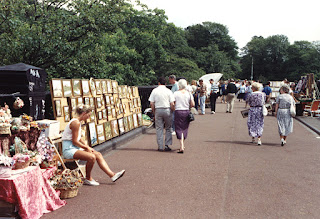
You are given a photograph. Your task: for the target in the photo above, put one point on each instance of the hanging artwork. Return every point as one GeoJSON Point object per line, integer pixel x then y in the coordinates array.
{"type": "Point", "coordinates": [109, 86]}
{"type": "Point", "coordinates": [58, 108]}
{"type": "Point", "coordinates": [114, 128]}
{"type": "Point", "coordinates": [85, 87]}
{"type": "Point", "coordinates": [121, 126]}
{"type": "Point", "coordinates": [56, 87]}
{"type": "Point", "coordinates": [76, 87]}
{"type": "Point", "coordinates": [67, 88]}
{"type": "Point", "coordinates": [98, 86]}
{"type": "Point", "coordinates": [100, 132]}
{"type": "Point", "coordinates": [93, 134]}
{"type": "Point", "coordinates": [104, 86]}
{"type": "Point", "coordinates": [92, 87]}
{"type": "Point", "coordinates": [107, 130]}
{"type": "Point", "coordinates": [66, 113]}
{"type": "Point", "coordinates": [79, 100]}
{"type": "Point", "coordinates": [135, 121]}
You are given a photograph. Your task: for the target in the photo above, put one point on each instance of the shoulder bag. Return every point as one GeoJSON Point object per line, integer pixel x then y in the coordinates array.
{"type": "Point", "coordinates": [264, 110]}
{"type": "Point", "coordinates": [190, 116]}
{"type": "Point", "coordinates": [293, 109]}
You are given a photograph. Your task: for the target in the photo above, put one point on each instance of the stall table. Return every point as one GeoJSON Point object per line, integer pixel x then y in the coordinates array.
{"type": "Point", "coordinates": [31, 192]}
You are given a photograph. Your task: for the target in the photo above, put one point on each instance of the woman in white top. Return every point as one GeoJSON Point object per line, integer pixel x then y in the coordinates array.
{"type": "Point", "coordinates": [74, 147]}
{"type": "Point", "coordinates": [183, 102]}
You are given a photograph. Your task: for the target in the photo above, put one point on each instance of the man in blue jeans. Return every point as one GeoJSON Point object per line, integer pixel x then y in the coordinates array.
{"type": "Point", "coordinates": [203, 95]}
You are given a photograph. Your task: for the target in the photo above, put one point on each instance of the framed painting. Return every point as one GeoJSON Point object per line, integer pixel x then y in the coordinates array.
{"type": "Point", "coordinates": [92, 87]}
{"type": "Point", "coordinates": [130, 121]}
{"type": "Point", "coordinates": [98, 86]}
{"type": "Point", "coordinates": [113, 112]}
{"type": "Point", "coordinates": [85, 87]}
{"type": "Point", "coordinates": [109, 110]}
{"type": "Point", "coordinates": [135, 121]}
{"type": "Point", "coordinates": [130, 106]}
{"type": "Point", "coordinates": [114, 128]}
{"type": "Point", "coordinates": [107, 98]}
{"type": "Point", "coordinates": [139, 102]}
{"type": "Point", "coordinates": [76, 87]}
{"type": "Point", "coordinates": [67, 88]}
{"type": "Point", "coordinates": [124, 91]}
{"type": "Point", "coordinates": [93, 134]}
{"type": "Point", "coordinates": [73, 104]}
{"type": "Point", "coordinates": [104, 86]}
{"type": "Point", "coordinates": [126, 124]}
{"type": "Point", "coordinates": [114, 86]}
{"type": "Point", "coordinates": [100, 115]}
{"type": "Point", "coordinates": [140, 119]}
{"type": "Point", "coordinates": [87, 101]}
{"type": "Point", "coordinates": [58, 108]}
{"type": "Point", "coordinates": [56, 87]}
{"type": "Point", "coordinates": [109, 86]}
{"type": "Point", "coordinates": [135, 103]}
{"type": "Point", "coordinates": [104, 114]}
{"type": "Point", "coordinates": [121, 126]}
{"type": "Point", "coordinates": [112, 100]}
{"type": "Point", "coordinates": [107, 130]}
{"type": "Point", "coordinates": [66, 113]}
{"type": "Point", "coordinates": [84, 133]}
{"type": "Point", "coordinates": [79, 100]}
{"type": "Point", "coordinates": [120, 91]}
{"type": "Point", "coordinates": [100, 133]}
{"type": "Point", "coordinates": [92, 102]}
{"type": "Point", "coordinates": [99, 104]}
{"type": "Point", "coordinates": [92, 116]}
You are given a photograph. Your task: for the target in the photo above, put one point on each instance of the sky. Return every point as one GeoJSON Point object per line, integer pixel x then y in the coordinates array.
{"type": "Point", "coordinates": [298, 20]}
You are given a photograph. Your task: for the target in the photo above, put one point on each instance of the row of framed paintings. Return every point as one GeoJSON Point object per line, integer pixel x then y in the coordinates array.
{"type": "Point", "coordinates": [99, 133]}
{"type": "Point", "coordinates": [84, 87]}
{"type": "Point", "coordinates": [106, 107]}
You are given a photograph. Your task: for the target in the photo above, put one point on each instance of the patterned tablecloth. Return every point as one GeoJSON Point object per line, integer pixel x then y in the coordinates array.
{"type": "Point", "coordinates": [31, 192]}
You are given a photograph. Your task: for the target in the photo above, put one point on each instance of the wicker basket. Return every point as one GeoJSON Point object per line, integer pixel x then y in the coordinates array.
{"type": "Point", "coordinates": [69, 193]}
{"type": "Point", "coordinates": [21, 165]}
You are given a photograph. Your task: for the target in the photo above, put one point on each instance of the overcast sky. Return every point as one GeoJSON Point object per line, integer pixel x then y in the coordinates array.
{"type": "Point", "coordinates": [298, 20]}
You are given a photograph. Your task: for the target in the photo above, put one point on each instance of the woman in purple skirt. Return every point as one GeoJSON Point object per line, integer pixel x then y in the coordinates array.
{"type": "Point", "coordinates": [183, 102]}
{"type": "Point", "coordinates": [256, 100]}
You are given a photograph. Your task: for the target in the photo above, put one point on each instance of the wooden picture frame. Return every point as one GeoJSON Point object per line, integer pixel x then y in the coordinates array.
{"type": "Point", "coordinates": [87, 101]}
{"type": "Point", "coordinates": [135, 121]}
{"type": "Point", "coordinates": [107, 130]}
{"type": "Point", "coordinates": [100, 115]}
{"type": "Point", "coordinates": [67, 88]}
{"type": "Point", "coordinates": [92, 86]}
{"type": "Point", "coordinates": [66, 113]}
{"type": "Point", "coordinates": [100, 133]}
{"type": "Point", "coordinates": [104, 86]}
{"type": "Point", "coordinates": [114, 86]}
{"type": "Point", "coordinates": [126, 124]}
{"type": "Point", "coordinates": [107, 100]}
{"type": "Point", "coordinates": [92, 134]}
{"type": "Point", "coordinates": [130, 121]}
{"type": "Point", "coordinates": [109, 111]}
{"type": "Point", "coordinates": [114, 128]}
{"type": "Point", "coordinates": [73, 104]}
{"type": "Point", "coordinates": [111, 100]}
{"type": "Point", "coordinates": [76, 87]}
{"type": "Point", "coordinates": [84, 134]}
{"type": "Point", "coordinates": [85, 87]}
{"type": "Point", "coordinates": [121, 126]}
{"type": "Point", "coordinates": [79, 100]}
{"type": "Point", "coordinates": [140, 121]}
{"type": "Point", "coordinates": [113, 112]}
{"type": "Point", "coordinates": [98, 87]}
{"type": "Point", "coordinates": [104, 114]}
{"type": "Point", "coordinates": [99, 102]}
{"type": "Point", "coordinates": [92, 102]}
{"type": "Point", "coordinates": [56, 85]}
{"type": "Point", "coordinates": [93, 116]}
{"type": "Point", "coordinates": [58, 108]}
{"type": "Point", "coordinates": [109, 86]}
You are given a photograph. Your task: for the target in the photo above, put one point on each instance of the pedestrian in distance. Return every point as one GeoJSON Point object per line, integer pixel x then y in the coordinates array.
{"type": "Point", "coordinates": [267, 90]}
{"type": "Point", "coordinates": [73, 147]}
{"type": "Point", "coordinates": [202, 89]}
{"type": "Point", "coordinates": [174, 88]}
{"type": "Point", "coordinates": [214, 94]}
{"type": "Point", "coordinates": [282, 112]}
{"type": "Point", "coordinates": [162, 105]}
{"type": "Point", "coordinates": [183, 102]}
{"type": "Point", "coordinates": [195, 93]}
{"type": "Point", "coordinates": [255, 122]}
{"type": "Point", "coordinates": [231, 94]}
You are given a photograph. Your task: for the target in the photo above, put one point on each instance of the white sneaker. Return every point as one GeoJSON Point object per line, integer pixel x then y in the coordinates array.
{"type": "Point", "coordinates": [259, 142]}
{"type": "Point", "coordinates": [90, 182]}
{"type": "Point", "coordinates": [282, 142]}
{"type": "Point", "coordinates": [118, 175]}
{"type": "Point", "coordinates": [173, 133]}
{"type": "Point", "coordinates": [213, 112]}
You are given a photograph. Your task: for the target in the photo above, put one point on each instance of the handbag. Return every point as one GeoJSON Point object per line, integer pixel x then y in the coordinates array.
{"type": "Point", "coordinates": [245, 113]}
{"type": "Point", "coordinates": [190, 117]}
{"type": "Point", "coordinates": [264, 110]}
{"type": "Point", "coordinates": [293, 109]}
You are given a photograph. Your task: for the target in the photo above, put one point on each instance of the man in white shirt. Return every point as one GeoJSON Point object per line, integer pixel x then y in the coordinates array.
{"type": "Point", "coordinates": [162, 103]}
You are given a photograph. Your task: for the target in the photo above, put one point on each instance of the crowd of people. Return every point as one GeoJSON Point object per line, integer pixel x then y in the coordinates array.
{"type": "Point", "coordinates": [172, 107]}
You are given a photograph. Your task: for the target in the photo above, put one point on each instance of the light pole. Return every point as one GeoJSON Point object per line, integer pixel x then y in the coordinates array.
{"type": "Point", "coordinates": [251, 68]}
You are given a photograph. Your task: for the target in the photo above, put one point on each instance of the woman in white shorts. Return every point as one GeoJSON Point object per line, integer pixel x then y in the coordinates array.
{"type": "Point", "coordinates": [73, 147]}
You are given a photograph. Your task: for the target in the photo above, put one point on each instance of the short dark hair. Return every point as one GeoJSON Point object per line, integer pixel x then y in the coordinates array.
{"type": "Point", "coordinates": [162, 80]}
{"type": "Point", "coordinates": [173, 77]}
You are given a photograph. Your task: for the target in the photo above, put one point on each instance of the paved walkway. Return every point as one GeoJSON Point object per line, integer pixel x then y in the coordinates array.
{"type": "Point", "coordinates": [220, 175]}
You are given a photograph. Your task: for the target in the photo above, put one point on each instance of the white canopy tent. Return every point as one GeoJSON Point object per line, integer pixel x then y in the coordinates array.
{"type": "Point", "coordinates": [215, 76]}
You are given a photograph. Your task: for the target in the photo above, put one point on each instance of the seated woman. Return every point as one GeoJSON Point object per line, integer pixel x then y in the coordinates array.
{"type": "Point", "coordinates": [73, 147]}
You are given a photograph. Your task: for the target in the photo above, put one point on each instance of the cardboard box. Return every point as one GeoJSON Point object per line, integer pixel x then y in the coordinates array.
{"type": "Point", "coordinates": [53, 128]}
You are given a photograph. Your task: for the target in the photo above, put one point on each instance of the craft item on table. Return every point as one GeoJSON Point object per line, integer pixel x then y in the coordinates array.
{"type": "Point", "coordinates": [21, 161]}
{"type": "Point", "coordinates": [5, 119]}
{"type": "Point", "coordinates": [67, 182]}
{"type": "Point", "coordinates": [19, 146]}
{"type": "Point", "coordinates": [46, 150]}
{"type": "Point", "coordinates": [26, 120]}
{"type": "Point", "coordinates": [5, 166]}
{"type": "Point", "coordinates": [18, 103]}
{"type": "Point", "coordinates": [15, 125]}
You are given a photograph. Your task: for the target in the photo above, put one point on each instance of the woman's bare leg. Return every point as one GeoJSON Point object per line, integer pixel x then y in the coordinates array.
{"type": "Point", "coordinates": [181, 143]}
{"type": "Point", "coordinates": [89, 157]}
{"type": "Point", "coordinates": [103, 164]}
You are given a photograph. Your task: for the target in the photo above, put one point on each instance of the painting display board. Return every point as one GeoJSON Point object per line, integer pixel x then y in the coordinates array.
{"type": "Point", "coordinates": [116, 108]}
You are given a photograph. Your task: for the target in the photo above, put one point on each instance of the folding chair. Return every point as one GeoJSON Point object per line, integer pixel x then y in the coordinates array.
{"type": "Point", "coordinates": [314, 108]}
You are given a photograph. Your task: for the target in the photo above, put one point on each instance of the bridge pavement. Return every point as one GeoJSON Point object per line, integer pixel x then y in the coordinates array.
{"type": "Point", "coordinates": [220, 175]}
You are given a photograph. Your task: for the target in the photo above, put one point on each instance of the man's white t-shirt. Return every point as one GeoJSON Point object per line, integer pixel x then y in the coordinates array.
{"type": "Point", "coordinates": [161, 96]}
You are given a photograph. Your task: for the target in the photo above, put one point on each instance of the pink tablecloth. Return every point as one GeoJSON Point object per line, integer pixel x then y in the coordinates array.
{"type": "Point", "coordinates": [31, 193]}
